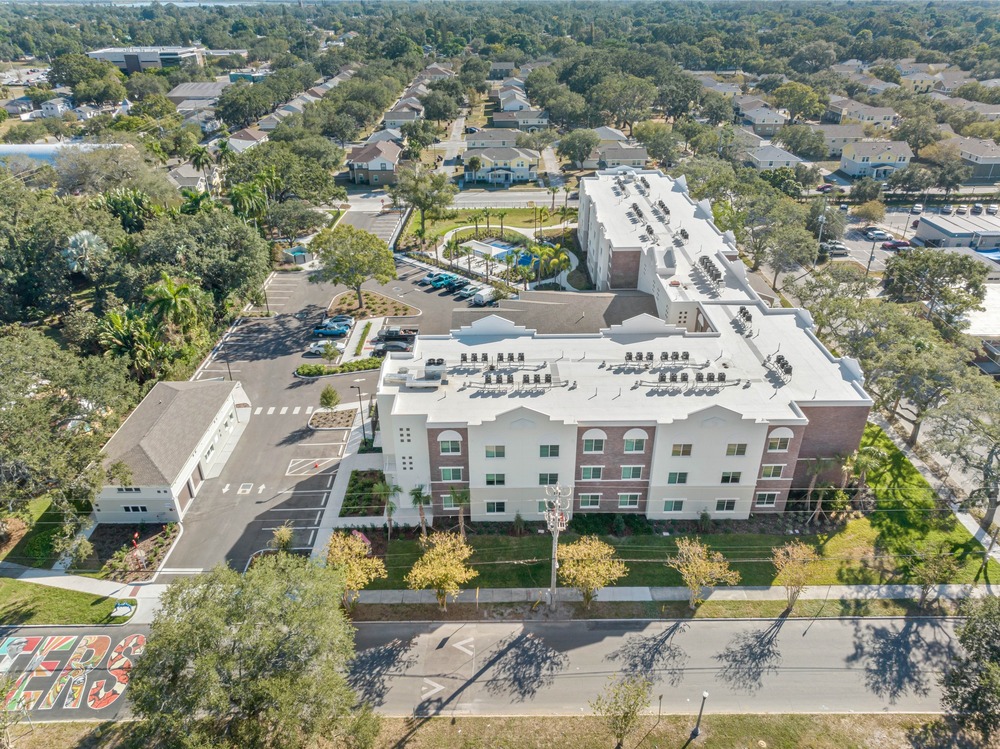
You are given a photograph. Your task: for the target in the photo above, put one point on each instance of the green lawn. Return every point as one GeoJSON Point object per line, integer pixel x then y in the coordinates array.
{"type": "Point", "coordinates": [868, 550]}
{"type": "Point", "coordinates": [30, 603]}
{"type": "Point", "coordinates": [37, 547]}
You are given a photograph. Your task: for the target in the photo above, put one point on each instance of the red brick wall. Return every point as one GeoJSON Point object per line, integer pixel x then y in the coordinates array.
{"type": "Point", "coordinates": [624, 272]}
{"type": "Point", "coordinates": [440, 489]}
{"type": "Point", "coordinates": [789, 459]}
{"type": "Point", "coordinates": [612, 460]}
{"type": "Point", "coordinates": [832, 431]}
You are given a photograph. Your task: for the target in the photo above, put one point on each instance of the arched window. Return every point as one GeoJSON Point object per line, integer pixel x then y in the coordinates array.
{"type": "Point", "coordinates": [593, 441]}
{"type": "Point", "coordinates": [779, 439]}
{"type": "Point", "coordinates": [450, 442]}
{"type": "Point", "coordinates": [635, 441]}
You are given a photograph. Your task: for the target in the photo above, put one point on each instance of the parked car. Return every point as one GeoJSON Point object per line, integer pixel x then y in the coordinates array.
{"type": "Point", "coordinates": [947, 210]}
{"type": "Point", "coordinates": [833, 244]}
{"type": "Point", "coordinates": [977, 208]}
{"type": "Point", "coordinates": [442, 281]}
{"type": "Point", "coordinates": [339, 320]}
{"type": "Point", "coordinates": [381, 349]}
{"type": "Point", "coordinates": [844, 207]}
{"type": "Point", "coordinates": [878, 235]}
{"type": "Point", "coordinates": [470, 130]}
{"type": "Point", "coordinates": [429, 278]}
{"type": "Point", "coordinates": [962, 209]}
{"type": "Point", "coordinates": [917, 208]}
{"type": "Point", "coordinates": [895, 244]}
{"type": "Point", "coordinates": [457, 283]}
{"type": "Point", "coordinates": [469, 291]}
{"type": "Point", "coordinates": [993, 209]}
{"type": "Point", "coordinates": [484, 297]}
{"type": "Point", "coordinates": [866, 229]}
{"type": "Point", "coordinates": [915, 224]}
{"type": "Point", "coordinates": [332, 331]}
{"type": "Point", "coordinates": [824, 188]}
{"type": "Point", "coordinates": [318, 348]}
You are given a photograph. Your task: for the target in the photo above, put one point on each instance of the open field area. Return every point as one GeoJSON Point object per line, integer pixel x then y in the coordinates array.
{"type": "Point", "coordinates": [28, 603]}
{"type": "Point", "coordinates": [718, 732]}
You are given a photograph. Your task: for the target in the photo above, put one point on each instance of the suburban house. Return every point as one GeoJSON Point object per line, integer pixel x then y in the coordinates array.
{"type": "Point", "coordinates": [396, 118]}
{"type": "Point", "coordinates": [610, 136]}
{"type": "Point", "coordinates": [502, 166]}
{"type": "Point", "coordinates": [86, 111]}
{"type": "Point", "coordinates": [835, 137]}
{"type": "Point", "coordinates": [375, 163]}
{"type": "Point", "coordinates": [772, 157]}
{"type": "Point", "coordinates": [437, 72]}
{"type": "Point", "coordinates": [207, 91]}
{"type": "Point", "coordinates": [246, 138]}
{"type": "Point", "coordinates": [55, 107]}
{"type": "Point", "coordinates": [186, 176]}
{"type": "Point", "coordinates": [514, 101]}
{"type": "Point", "coordinates": [528, 120]}
{"type": "Point", "coordinates": [181, 434]}
{"type": "Point", "coordinates": [982, 155]}
{"type": "Point", "coordinates": [844, 111]}
{"type": "Point", "coordinates": [617, 154]}
{"type": "Point", "coordinates": [875, 158]}
{"type": "Point", "coordinates": [728, 90]}
{"type": "Point", "coordinates": [765, 121]}
{"type": "Point", "coordinates": [872, 84]}
{"type": "Point", "coordinates": [849, 66]}
{"type": "Point", "coordinates": [713, 403]}
{"type": "Point", "coordinates": [501, 70]}
{"type": "Point", "coordinates": [492, 138]}
{"type": "Point", "coordinates": [745, 102]}
{"type": "Point", "coordinates": [20, 105]}
{"type": "Point", "coordinates": [919, 82]}
{"type": "Point", "coordinates": [389, 134]}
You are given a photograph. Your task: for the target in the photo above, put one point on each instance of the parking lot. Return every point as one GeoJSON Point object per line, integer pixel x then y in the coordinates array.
{"type": "Point", "coordinates": [864, 251]}
{"type": "Point", "coordinates": [281, 470]}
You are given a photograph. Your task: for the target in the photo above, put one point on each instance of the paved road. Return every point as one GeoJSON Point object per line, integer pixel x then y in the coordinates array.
{"type": "Point", "coordinates": [807, 666]}
{"type": "Point", "coordinates": [514, 198]}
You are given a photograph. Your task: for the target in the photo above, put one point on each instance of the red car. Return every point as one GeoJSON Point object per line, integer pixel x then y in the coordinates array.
{"type": "Point", "coordinates": [824, 188]}
{"type": "Point", "coordinates": [895, 244]}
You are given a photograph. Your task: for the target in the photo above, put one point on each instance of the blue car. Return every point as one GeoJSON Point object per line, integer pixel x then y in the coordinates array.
{"type": "Point", "coordinates": [332, 331]}
{"type": "Point", "coordinates": [442, 281]}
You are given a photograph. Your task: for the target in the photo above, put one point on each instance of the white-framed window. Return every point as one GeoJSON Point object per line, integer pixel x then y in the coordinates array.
{"type": "Point", "coordinates": [128, 489]}
{"type": "Point", "coordinates": [448, 502]}
{"type": "Point", "coordinates": [548, 451]}
{"type": "Point", "coordinates": [731, 477]}
{"type": "Point", "coordinates": [681, 450]}
{"type": "Point", "coordinates": [496, 508]}
{"type": "Point", "coordinates": [496, 479]}
{"type": "Point", "coordinates": [548, 479]}
{"type": "Point", "coordinates": [630, 473]}
{"type": "Point", "coordinates": [590, 501]}
{"type": "Point", "coordinates": [626, 501]}
{"type": "Point", "coordinates": [725, 505]}
{"type": "Point", "coordinates": [451, 447]}
{"type": "Point", "coordinates": [451, 474]}
{"type": "Point", "coordinates": [771, 471]}
{"type": "Point", "coordinates": [673, 505]}
{"type": "Point", "coordinates": [135, 508]}
{"type": "Point", "coordinates": [736, 448]}
{"type": "Point", "coordinates": [766, 499]}
{"type": "Point", "coordinates": [777, 444]}
{"type": "Point", "coordinates": [677, 477]}
{"type": "Point", "coordinates": [210, 451]}
{"type": "Point", "coordinates": [543, 505]}
{"type": "Point", "coordinates": [635, 445]}
{"type": "Point", "coordinates": [591, 473]}
{"type": "Point", "coordinates": [593, 446]}
{"type": "Point", "coordinates": [496, 451]}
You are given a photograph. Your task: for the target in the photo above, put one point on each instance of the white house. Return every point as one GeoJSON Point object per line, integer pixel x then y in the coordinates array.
{"type": "Point", "coordinates": [181, 434]}
{"type": "Point", "coordinates": [55, 107]}
{"type": "Point", "coordinates": [502, 166]}
{"type": "Point", "coordinates": [875, 158]}
{"type": "Point", "coordinates": [772, 157]}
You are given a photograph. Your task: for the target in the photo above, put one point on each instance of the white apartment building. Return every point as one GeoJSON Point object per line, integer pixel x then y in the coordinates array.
{"type": "Point", "coordinates": [719, 404]}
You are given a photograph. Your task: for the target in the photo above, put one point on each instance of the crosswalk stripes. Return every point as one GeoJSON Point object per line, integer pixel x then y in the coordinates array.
{"type": "Point", "coordinates": [282, 410]}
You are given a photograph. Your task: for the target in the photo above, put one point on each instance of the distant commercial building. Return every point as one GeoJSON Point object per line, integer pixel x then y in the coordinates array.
{"type": "Point", "coordinates": [198, 91]}
{"type": "Point", "coordinates": [136, 59]}
{"type": "Point", "coordinates": [980, 232]}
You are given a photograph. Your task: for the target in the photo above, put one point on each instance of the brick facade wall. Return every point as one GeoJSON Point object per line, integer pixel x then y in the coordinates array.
{"type": "Point", "coordinates": [440, 489]}
{"type": "Point", "coordinates": [612, 460]}
{"type": "Point", "coordinates": [624, 269]}
{"type": "Point", "coordinates": [831, 432]}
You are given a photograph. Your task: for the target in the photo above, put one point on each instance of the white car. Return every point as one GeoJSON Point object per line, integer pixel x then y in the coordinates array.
{"type": "Point", "coordinates": [319, 348]}
{"type": "Point", "coordinates": [917, 208]}
{"type": "Point", "coordinates": [878, 235]}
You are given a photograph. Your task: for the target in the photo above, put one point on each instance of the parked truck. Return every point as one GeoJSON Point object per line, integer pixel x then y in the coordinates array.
{"type": "Point", "coordinates": [484, 297]}
{"type": "Point", "coordinates": [397, 334]}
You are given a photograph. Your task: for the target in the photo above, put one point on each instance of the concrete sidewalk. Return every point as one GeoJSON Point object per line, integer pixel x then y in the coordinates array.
{"type": "Point", "coordinates": [665, 594]}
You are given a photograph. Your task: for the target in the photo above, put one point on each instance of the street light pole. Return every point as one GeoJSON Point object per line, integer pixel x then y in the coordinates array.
{"type": "Point", "coordinates": [697, 726]}
{"type": "Point", "coordinates": [361, 404]}
{"type": "Point", "coordinates": [557, 504]}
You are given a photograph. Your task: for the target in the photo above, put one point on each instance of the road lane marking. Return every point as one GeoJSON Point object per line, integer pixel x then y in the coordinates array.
{"type": "Point", "coordinates": [225, 488]}
{"type": "Point", "coordinates": [431, 690]}
{"type": "Point", "coordinates": [261, 490]}
{"type": "Point", "coordinates": [258, 410]}
{"type": "Point", "coordinates": [283, 411]}
{"type": "Point", "coordinates": [461, 646]}
{"type": "Point", "coordinates": [296, 410]}
{"type": "Point", "coordinates": [309, 409]}
{"type": "Point", "coordinates": [270, 410]}
{"type": "Point", "coordinates": [244, 489]}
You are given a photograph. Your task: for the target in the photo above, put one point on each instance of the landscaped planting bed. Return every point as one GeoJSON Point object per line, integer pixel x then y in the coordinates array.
{"type": "Point", "coordinates": [376, 305]}
{"type": "Point", "coordinates": [360, 501]}
{"type": "Point", "coordinates": [321, 370]}
{"type": "Point", "coordinates": [342, 419]}
{"type": "Point", "coordinates": [117, 558]}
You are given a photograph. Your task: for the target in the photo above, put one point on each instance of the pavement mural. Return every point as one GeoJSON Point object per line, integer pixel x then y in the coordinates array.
{"type": "Point", "coordinates": [69, 673]}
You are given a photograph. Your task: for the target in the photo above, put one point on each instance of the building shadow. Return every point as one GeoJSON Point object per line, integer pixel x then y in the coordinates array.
{"type": "Point", "coordinates": [525, 666]}
{"type": "Point", "coordinates": [654, 656]}
{"type": "Point", "coordinates": [749, 657]}
{"type": "Point", "coordinates": [901, 659]}
{"type": "Point", "coordinates": [372, 668]}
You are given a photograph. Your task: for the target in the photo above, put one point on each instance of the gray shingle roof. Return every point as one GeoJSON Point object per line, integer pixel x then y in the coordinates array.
{"type": "Point", "coordinates": [160, 435]}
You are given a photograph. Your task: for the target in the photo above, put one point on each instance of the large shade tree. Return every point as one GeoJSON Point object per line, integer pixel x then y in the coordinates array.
{"type": "Point", "coordinates": [351, 256]}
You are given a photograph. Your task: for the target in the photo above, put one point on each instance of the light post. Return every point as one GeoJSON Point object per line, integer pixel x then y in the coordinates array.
{"type": "Point", "coordinates": [697, 726]}
{"type": "Point", "coordinates": [361, 405]}
{"type": "Point", "coordinates": [871, 258]}
{"type": "Point", "coordinates": [557, 504]}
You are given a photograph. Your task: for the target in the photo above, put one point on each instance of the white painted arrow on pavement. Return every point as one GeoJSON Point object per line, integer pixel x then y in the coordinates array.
{"type": "Point", "coordinates": [461, 646]}
{"type": "Point", "coordinates": [225, 488]}
{"type": "Point", "coordinates": [261, 490]}
{"type": "Point", "coordinates": [432, 691]}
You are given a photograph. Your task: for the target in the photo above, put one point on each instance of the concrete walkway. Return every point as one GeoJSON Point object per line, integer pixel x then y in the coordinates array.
{"type": "Point", "coordinates": [667, 594]}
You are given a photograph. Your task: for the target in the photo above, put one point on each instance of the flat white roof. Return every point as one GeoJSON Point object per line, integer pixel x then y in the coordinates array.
{"type": "Point", "coordinates": [964, 226]}
{"type": "Point", "coordinates": [985, 323]}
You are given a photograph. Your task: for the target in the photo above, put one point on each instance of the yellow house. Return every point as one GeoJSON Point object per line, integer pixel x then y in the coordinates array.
{"type": "Point", "coordinates": [502, 166]}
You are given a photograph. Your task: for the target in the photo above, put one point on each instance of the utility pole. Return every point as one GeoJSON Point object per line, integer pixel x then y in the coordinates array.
{"type": "Point", "coordinates": [558, 502]}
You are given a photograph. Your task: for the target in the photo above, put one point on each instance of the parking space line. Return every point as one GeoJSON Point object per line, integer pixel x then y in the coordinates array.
{"type": "Point", "coordinates": [296, 410]}
{"type": "Point", "coordinates": [309, 409]}
{"type": "Point", "coordinates": [298, 528]}
{"type": "Point", "coordinates": [308, 466]}
{"type": "Point", "coordinates": [283, 411]}
{"type": "Point", "coordinates": [270, 410]}
{"type": "Point", "coordinates": [258, 410]}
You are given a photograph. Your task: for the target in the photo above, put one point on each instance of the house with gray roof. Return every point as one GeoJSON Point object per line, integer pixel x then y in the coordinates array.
{"type": "Point", "coordinates": [772, 157]}
{"type": "Point", "coordinates": [181, 434]}
{"type": "Point", "coordinates": [835, 137]}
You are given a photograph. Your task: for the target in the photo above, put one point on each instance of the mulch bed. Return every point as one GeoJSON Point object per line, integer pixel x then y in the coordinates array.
{"type": "Point", "coordinates": [359, 500]}
{"type": "Point", "coordinates": [343, 419]}
{"type": "Point", "coordinates": [376, 305]}
{"type": "Point", "coordinates": [152, 543]}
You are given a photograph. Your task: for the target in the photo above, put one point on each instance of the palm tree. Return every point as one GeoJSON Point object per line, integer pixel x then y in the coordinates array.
{"type": "Point", "coordinates": [82, 249]}
{"type": "Point", "coordinates": [564, 214]}
{"type": "Point", "coordinates": [172, 303]}
{"type": "Point", "coordinates": [201, 160]}
{"type": "Point", "coordinates": [817, 467]}
{"type": "Point", "coordinates": [451, 250]}
{"type": "Point", "coordinates": [543, 216]}
{"type": "Point", "coordinates": [554, 190]}
{"type": "Point", "coordinates": [566, 191]}
{"type": "Point", "coordinates": [130, 335]}
{"type": "Point", "coordinates": [501, 214]}
{"type": "Point", "coordinates": [270, 183]}
{"type": "Point", "coordinates": [475, 164]}
{"type": "Point", "coordinates": [461, 499]}
{"type": "Point", "coordinates": [510, 260]}
{"type": "Point", "coordinates": [865, 461]}
{"type": "Point", "coordinates": [487, 213]}
{"type": "Point", "coordinates": [475, 219]}
{"type": "Point", "coordinates": [248, 201]}
{"type": "Point", "coordinates": [225, 152]}
{"type": "Point", "coordinates": [385, 492]}
{"type": "Point", "coordinates": [420, 500]}
{"type": "Point", "coordinates": [196, 202]}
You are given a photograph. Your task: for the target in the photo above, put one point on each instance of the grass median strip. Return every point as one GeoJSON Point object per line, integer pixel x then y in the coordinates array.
{"type": "Point", "coordinates": [30, 603]}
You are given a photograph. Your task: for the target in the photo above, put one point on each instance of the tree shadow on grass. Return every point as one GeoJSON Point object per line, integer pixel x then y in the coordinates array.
{"type": "Point", "coordinates": [372, 668]}
{"type": "Point", "coordinates": [944, 733]}
{"type": "Point", "coordinates": [526, 665]}
{"type": "Point", "coordinates": [14, 614]}
{"type": "Point", "coordinates": [654, 656]}
{"type": "Point", "coordinates": [900, 660]}
{"type": "Point", "coordinates": [749, 657]}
